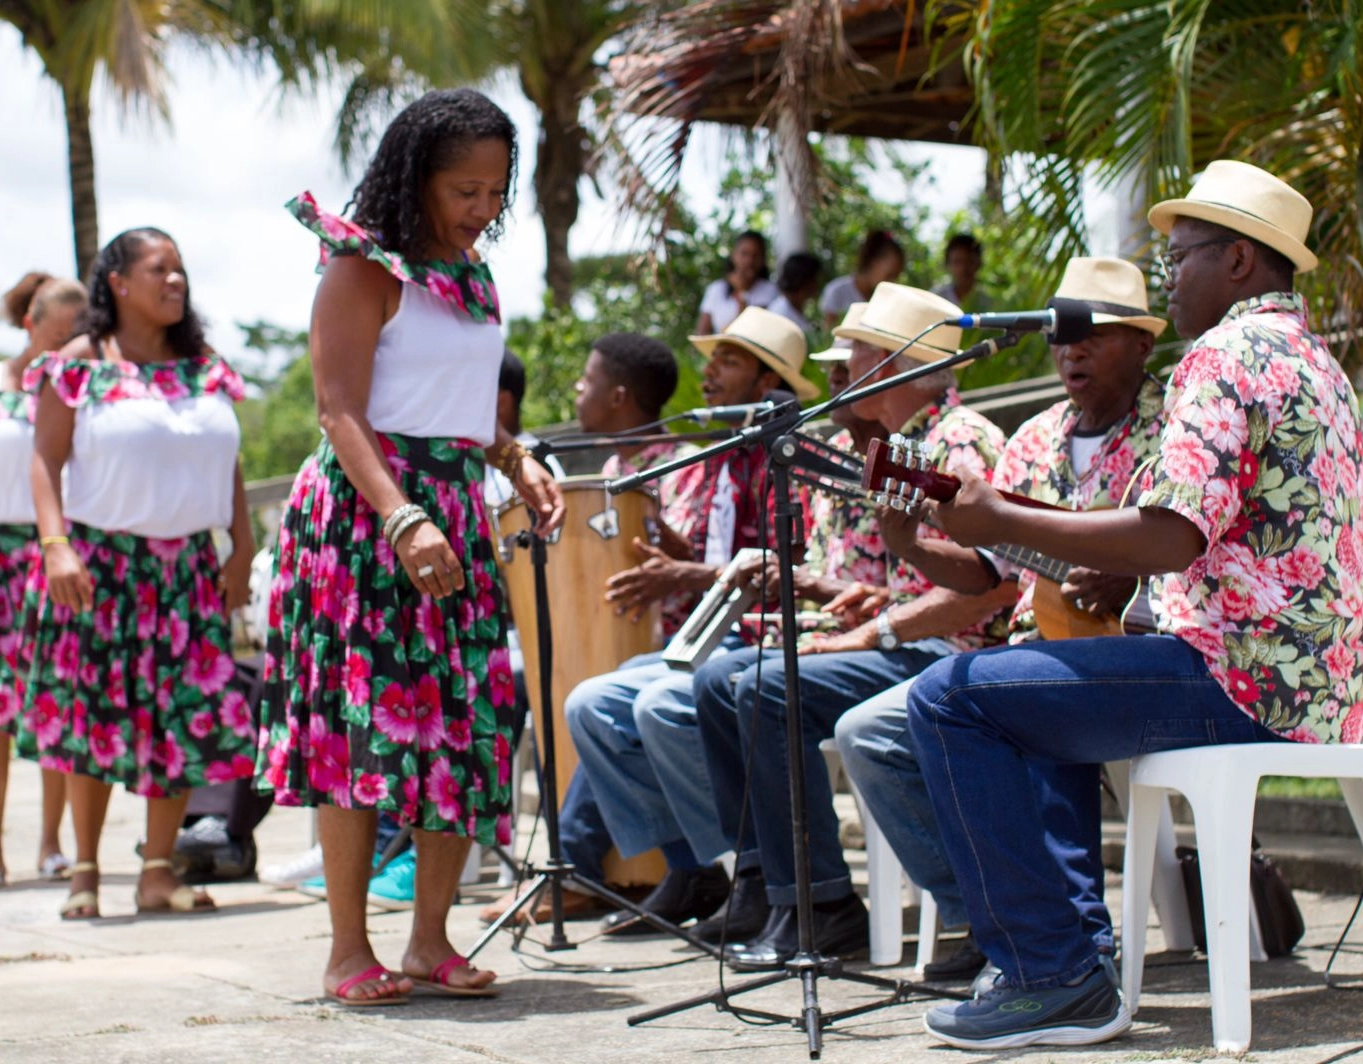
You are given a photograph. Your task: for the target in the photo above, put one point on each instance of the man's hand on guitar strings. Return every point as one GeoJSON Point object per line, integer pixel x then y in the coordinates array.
{"type": "Point", "coordinates": [1100, 594]}
{"type": "Point", "coordinates": [976, 517]}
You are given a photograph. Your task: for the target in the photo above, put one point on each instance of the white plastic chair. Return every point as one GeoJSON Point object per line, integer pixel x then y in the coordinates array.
{"type": "Point", "coordinates": [1221, 784]}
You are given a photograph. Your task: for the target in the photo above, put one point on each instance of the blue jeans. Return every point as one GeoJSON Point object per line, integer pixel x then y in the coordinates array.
{"type": "Point", "coordinates": [733, 712]}
{"type": "Point", "coordinates": [602, 716]}
{"type": "Point", "coordinates": [879, 755]}
{"type": "Point", "coordinates": [1004, 734]}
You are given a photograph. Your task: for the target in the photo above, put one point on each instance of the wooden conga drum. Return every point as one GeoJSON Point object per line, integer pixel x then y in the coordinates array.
{"type": "Point", "coordinates": [595, 542]}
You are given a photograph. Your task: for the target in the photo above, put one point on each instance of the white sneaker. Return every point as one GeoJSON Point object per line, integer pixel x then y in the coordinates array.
{"type": "Point", "coordinates": [289, 874]}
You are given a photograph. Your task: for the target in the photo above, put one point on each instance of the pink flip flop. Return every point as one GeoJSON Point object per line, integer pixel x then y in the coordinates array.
{"type": "Point", "coordinates": [378, 973]}
{"type": "Point", "coordinates": [436, 983]}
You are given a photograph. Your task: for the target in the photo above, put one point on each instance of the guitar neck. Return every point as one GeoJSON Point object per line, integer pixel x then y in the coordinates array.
{"type": "Point", "coordinates": [1035, 561]}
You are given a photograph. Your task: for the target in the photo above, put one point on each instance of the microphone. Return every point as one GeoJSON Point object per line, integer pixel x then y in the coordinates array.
{"type": "Point", "coordinates": [1064, 321]}
{"type": "Point", "coordinates": [742, 414]}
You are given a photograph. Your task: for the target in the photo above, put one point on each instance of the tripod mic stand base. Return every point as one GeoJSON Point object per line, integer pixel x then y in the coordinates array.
{"type": "Point", "coordinates": [807, 968]}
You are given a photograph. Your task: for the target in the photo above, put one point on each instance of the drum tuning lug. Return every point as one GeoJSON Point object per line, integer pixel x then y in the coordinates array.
{"type": "Point", "coordinates": [606, 524]}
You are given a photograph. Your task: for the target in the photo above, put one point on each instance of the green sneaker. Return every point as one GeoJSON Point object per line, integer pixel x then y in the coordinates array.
{"type": "Point", "coordinates": [316, 887]}
{"type": "Point", "coordinates": [394, 888]}
{"type": "Point", "coordinates": [1005, 1017]}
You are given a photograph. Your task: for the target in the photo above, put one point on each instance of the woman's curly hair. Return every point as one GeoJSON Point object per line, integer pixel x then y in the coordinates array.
{"type": "Point", "coordinates": [429, 135]}
{"type": "Point", "coordinates": [100, 320]}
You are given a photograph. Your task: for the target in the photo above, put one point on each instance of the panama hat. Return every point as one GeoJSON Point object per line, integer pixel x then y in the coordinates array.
{"type": "Point", "coordinates": [898, 313]}
{"type": "Point", "coordinates": [774, 340]}
{"type": "Point", "coordinates": [1114, 291]}
{"type": "Point", "coordinates": [1249, 201]}
{"type": "Point", "coordinates": [841, 350]}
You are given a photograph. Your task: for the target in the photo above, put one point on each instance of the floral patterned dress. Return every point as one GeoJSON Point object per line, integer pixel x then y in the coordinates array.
{"type": "Point", "coordinates": [377, 696]}
{"type": "Point", "coordinates": [134, 691]}
{"type": "Point", "coordinates": [18, 552]}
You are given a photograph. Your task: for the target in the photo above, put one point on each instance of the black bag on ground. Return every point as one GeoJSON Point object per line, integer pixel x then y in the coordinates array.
{"type": "Point", "coordinates": [1280, 922]}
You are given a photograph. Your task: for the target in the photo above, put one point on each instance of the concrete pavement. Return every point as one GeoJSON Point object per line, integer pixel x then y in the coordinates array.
{"type": "Point", "coordinates": [243, 984]}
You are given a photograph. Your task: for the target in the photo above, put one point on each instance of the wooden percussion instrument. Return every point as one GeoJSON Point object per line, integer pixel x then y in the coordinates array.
{"type": "Point", "coordinates": [595, 542]}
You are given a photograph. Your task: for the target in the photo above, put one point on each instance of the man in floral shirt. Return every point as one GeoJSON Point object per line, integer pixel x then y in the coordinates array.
{"type": "Point", "coordinates": [1080, 454]}
{"type": "Point", "coordinates": [738, 697]}
{"type": "Point", "coordinates": [1249, 518]}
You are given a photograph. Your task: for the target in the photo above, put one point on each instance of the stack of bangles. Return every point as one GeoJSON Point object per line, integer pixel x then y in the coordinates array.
{"type": "Point", "coordinates": [510, 459]}
{"type": "Point", "coordinates": [405, 517]}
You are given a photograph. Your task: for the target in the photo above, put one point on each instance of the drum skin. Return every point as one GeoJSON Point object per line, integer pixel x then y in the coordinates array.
{"type": "Point", "coordinates": [589, 638]}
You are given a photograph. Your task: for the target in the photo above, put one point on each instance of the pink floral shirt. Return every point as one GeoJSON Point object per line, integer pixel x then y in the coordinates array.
{"type": "Point", "coordinates": [957, 439]}
{"type": "Point", "coordinates": [844, 539]}
{"type": "Point", "coordinates": [679, 510]}
{"type": "Point", "coordinates": [1036, 463]}
{"type": "Point", "coordinates": [1261, 451]}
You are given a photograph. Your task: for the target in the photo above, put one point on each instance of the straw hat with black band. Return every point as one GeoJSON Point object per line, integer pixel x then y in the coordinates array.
{"type": "Point", "coordinates": [1249, 201]}
{"type": "Point", "coordinates": [775, 341]}
{"type": "Point", "coordinates": [898, 313]}
{"type": "Point", "coordinates": [841, 350]}
{"type": "Point", "coordinates": [1114, 291]}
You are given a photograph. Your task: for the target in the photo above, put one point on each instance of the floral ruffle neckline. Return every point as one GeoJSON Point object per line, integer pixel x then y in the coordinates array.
{"type": "Point", "coordinates": [78, 381]}
{"type": "Point", "coordinates": [466, 285]}
{"type": "Point", "coordinates": [15, 406]}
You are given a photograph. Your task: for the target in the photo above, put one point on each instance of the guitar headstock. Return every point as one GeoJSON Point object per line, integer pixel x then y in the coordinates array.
{"type": "Point", "coordinates": [899, 475]}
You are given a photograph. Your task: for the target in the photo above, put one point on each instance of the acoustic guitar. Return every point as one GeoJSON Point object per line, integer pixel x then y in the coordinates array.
{"type": "Point", "coordinates": [898, 474]}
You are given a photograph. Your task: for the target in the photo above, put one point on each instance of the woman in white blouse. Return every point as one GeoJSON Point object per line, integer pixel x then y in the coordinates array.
{"type": "Point", "coordinates": [745, 284]}
{"type": "Point", "coordinates": [387, 676]}
{"type": "Point", "coordinates": [46, 308]}
{"type": "Point", "coordinates": [135, 462]}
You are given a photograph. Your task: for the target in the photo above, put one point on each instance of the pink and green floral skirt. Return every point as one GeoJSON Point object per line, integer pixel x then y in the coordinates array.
{"type": "Point", "coordinates": [134, 691]}
{"type": "Point", "coordinates": [18, 552]}
{"type": "Point", "coordinates": [377, 696]}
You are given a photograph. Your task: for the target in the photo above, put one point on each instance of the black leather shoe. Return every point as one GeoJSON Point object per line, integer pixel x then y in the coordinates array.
{"type": "Point", "coordinates": [744, 912]}
{"type": "Point", "coordinates": [961, 967]}
{"type": "Point", "coordinates": [681, 896]}
{"type": "Point", "coordinates": [842, 929]}
{"type": "Point", "coordinates": [206, 853]}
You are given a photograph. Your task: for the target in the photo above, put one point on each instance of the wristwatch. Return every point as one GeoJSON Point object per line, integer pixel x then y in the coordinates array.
{"type": "Point", "coordinates": [885, 633]}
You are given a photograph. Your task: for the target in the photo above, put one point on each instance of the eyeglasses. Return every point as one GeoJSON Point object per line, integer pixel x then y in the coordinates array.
{"type": "Point", "coordinates": [1170, 261]}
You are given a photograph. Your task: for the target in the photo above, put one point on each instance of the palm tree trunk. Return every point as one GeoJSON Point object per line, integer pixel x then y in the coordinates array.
{"type": "Point", "coordinates": [559, 167]}
{"type": "Point", "coordinates": [81, 163]}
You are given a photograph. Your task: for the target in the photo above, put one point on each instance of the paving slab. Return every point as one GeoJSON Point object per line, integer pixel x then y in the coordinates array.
{"type": "Point", "coordinates": [243, 985]}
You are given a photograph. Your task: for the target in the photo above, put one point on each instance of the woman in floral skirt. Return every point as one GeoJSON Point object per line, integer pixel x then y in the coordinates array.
{"type": "Point", "coordinates": [46, 308]}
{"type": "Point", "coordinates": [388, 682]}
{"type": "Point", "coordinates": [126, 616]}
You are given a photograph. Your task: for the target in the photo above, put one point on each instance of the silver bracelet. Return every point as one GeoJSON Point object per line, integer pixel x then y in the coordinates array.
{"type": "Point", "coordinates": [410, 521]}
{"type": "Point", "coordinates": [396, 517]}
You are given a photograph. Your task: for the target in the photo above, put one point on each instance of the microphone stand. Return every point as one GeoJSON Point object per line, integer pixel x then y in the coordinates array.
{"type": "Point", "coordinates": [778, 434]}
{"type": "Point", "coordinates": [555, 873]}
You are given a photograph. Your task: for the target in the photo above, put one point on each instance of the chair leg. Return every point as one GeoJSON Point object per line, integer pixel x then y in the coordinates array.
{"type": "Point", "coordinates": [1142, 831]}
{"type": "Point", "coordinates": [927, 931]}
{"type": "Point", "coordinates": [1223, 812]}
{"type": "Point", "coordinates": [885, 880]}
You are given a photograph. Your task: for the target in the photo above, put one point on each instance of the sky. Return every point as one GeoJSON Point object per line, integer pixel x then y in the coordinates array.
{"type": "Point", "coordinates": [217, 176]}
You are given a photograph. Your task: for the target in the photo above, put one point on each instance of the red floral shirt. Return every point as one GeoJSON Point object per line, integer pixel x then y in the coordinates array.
{"type": "Point", "coordinates": [1036, 463]}
{"type": "Point", "coordinates": [679, 510]}
{"type": "Point", "coordinates": [1261, 451]}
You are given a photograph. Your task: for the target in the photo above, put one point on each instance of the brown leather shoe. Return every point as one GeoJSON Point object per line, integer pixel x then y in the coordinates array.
{"type": "Point", "coordinates": [575, 906]}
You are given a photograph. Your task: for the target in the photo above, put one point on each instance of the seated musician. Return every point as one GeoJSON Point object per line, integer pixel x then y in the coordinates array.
{"type": "Point", "coordinates": [1249, 519]}
{"type": "Point", "coordinates": [741, 701]}
{"type": "Point", "coordinates": [758, 354]}
{"type": "Point", "coordinates": [1081, 454]}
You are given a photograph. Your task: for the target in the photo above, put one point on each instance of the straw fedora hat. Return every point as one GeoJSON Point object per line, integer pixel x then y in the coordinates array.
{"type": "Point", "coordinates": [898, 313]}
{"type": "Point", "coordinates": [775, 340]}
{"type": "Point", "coordinates": [1247, 200]}
{"type": "Point", "coordinates": [841, 350]}
{"type": "Point", "coordinates": [1114, 291]}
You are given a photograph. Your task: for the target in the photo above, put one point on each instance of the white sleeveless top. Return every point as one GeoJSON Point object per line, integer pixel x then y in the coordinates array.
{"type": "Point", "coordinates": [16, 454]}
{"type": "Point", "coordinates": [154, 447]}
{"type": "Point", "coordinates": [435, 372]}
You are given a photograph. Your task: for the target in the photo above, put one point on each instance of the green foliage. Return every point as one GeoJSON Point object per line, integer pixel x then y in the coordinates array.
{"type": "Point", "coordinates": [279, 427]}
{"type": "Point", "coordinates": [660, 295]}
